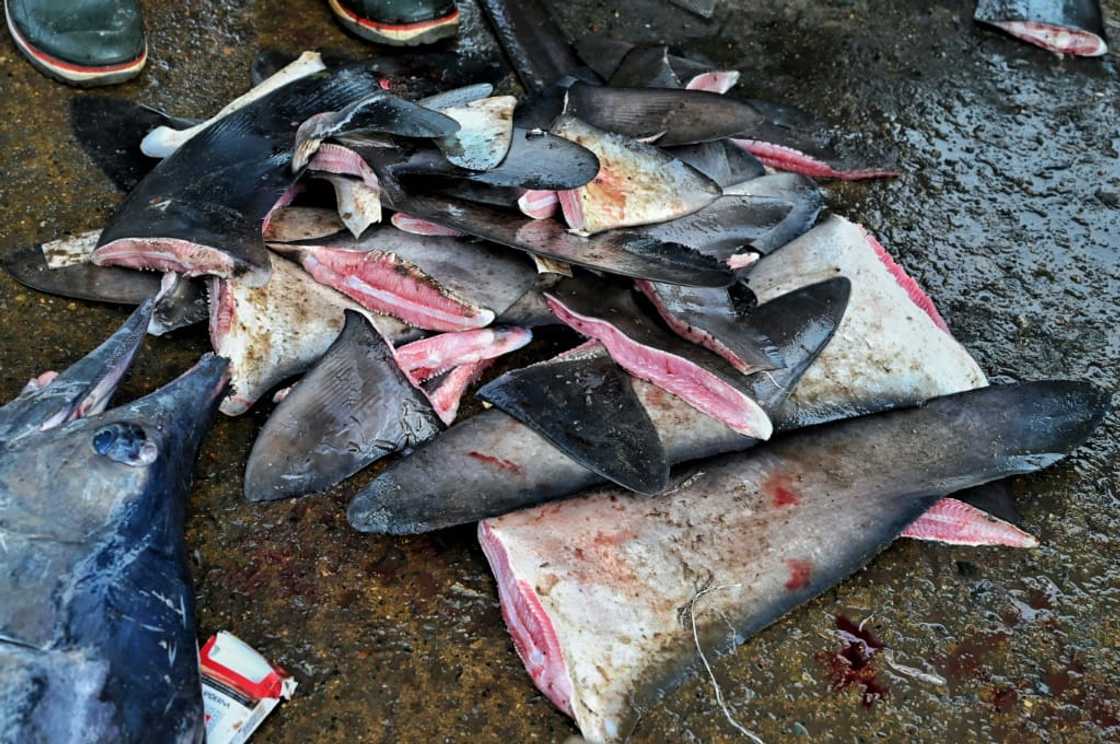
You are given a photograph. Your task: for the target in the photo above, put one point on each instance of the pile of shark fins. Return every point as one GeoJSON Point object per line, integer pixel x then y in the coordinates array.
{"type": "Point", "coordinates": [726, 428]}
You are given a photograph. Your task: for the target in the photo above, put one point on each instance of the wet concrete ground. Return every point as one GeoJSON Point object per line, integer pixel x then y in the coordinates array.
{"type": "Point", "coordinates": [1008, 212]}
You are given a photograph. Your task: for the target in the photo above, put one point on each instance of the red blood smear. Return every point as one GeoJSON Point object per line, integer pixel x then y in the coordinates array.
{"type": "Point", "coordinates": [800, 572]}
{"type": "Point", "coordinates": [779, 487]}
{"type": "Point", "coordinates": [852, 664]}
{"type": "Point", "coordinates": [496, 461]}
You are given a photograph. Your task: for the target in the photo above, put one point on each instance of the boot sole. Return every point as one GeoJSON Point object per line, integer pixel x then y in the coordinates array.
{"type": "Point", "coordinates": [70, 73]}
{"type": "Point", "coordinates": [405, 34]}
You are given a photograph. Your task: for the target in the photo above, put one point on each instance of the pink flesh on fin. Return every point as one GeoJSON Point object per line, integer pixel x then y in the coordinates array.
{"type": "Point", "coordinates": [742, 260]}
{"type": "Point", "coordinates": [1057, 39]}
{"type": "Point", "coordinates": [717, 81]}
{"type": "Point", "coordinates": [695, 335]}
{"type": "Point", "coordinates": [164, 254]}
{"type": "Point", "coordinates": [343, 161]}
{"type": "Point", "coordinates": [446, 397]}
{"type": "Point", "coordinates": [957, 523]}
{"type": "Point", "coordinates": [430, 357]}
{"type": "Point", "coordinates": [695, 385]}
{"type": "Point", "coordinates": [39, 382]}
{"type": "Point", "coordinates": [913, 291]}
{"type": "Point", "coordinates": [533, 634]}
{"type": "Point", "coordinates": [418, 226]}
{"type": "Point", "coordinates": [540, 205]}
{"type": "Point", "coordinates": [785, 158]}
{"type": "Point", "coordinates": [285, 199]}
{"type": "Point", "coordinates": [572, 208]}
{"type": "Point", "coordinates": [387, 284]}
{"type": "Point", "coordinates": [221, 310]}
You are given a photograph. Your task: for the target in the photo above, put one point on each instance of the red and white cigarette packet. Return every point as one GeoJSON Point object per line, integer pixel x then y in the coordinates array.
{"type": "Point", "coordinates": [239, 688]}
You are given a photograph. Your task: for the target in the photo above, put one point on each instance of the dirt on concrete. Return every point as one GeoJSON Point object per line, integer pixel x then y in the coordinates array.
{"type": "Point", "coordinates": [1008, 213]}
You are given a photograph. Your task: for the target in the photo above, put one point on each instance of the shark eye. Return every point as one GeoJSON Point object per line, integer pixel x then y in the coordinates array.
{"type": "Point", "coordinates": [125, 443]}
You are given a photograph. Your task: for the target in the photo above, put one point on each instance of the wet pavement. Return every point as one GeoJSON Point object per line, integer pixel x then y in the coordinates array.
{"type": "Point", "coordinates": [1008, 213]}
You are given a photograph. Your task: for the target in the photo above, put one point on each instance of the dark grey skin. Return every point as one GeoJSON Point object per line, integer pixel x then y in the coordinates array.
{"type": "Point", "coordinates": [615, 251]}
{"type": "Point", "coordinates": [109, 130]}
{"type": "Point", "coordinates": [379, 112]}
{"type": "Point", "coordinates": [731, 224]}
{"type": "Point", "coordinates": [80, 281]}
{"type": "Point", "coordinates": [491, 463]}
{"type": "Point", "coordinates": [801, 192]}
{"type": "Point", "coordinates": [645, 67]}
{"type": "Point", "coordinates": [1080, 14]}
{"type": "Point", "coordinates": [97, 628]}
{"type": "Point", "coordinates": [599, 420]}
{"type": "Point", "coordinates": [713, 312]}
{"type": "Point", "coordinates": [354, 407]}
{"type": "Point", "coordinates": [536, 160]}
{"type": "Point", "coordinates": [83, 388]}
{"type": "Point", "coordinates": [537, 49]}
{"type": "Point", "coordinates": [722, 161]}
{"type": "Point", "coordinates": [184, 303]}
{"type": "Point", "coordinates": [684, 116]}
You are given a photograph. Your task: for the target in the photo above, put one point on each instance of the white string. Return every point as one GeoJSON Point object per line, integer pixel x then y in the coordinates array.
{"type": "Point", "coordinates": [708, 667]}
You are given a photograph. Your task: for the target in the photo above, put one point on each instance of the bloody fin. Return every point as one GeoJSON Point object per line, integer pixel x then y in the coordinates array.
{"type": "Point", "coordinates": [445, 393]}
{"type": "Point", "coordinates": [892, 349]}
{"type": "Point", "coordinates": [955, 522]}
{"type": "Point", "coordinates": [351, 409]}
{"type": "Point", "coordinates": [433, 356]}
{"type": "Point", "coordinates": [1060, 26]}
{"type": "Point", "coordinates": [587, 408]}
{"type": "Point", "coordinates": [796, 517]}
{"type": "Point", "coordinates": [636, 183]}
{"type": "Point", "coordinates": [706, 381]}
{"type": "Point", "coordinates": [278, 330]}
{"type": "Point", "coordinates": [420, 279]}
